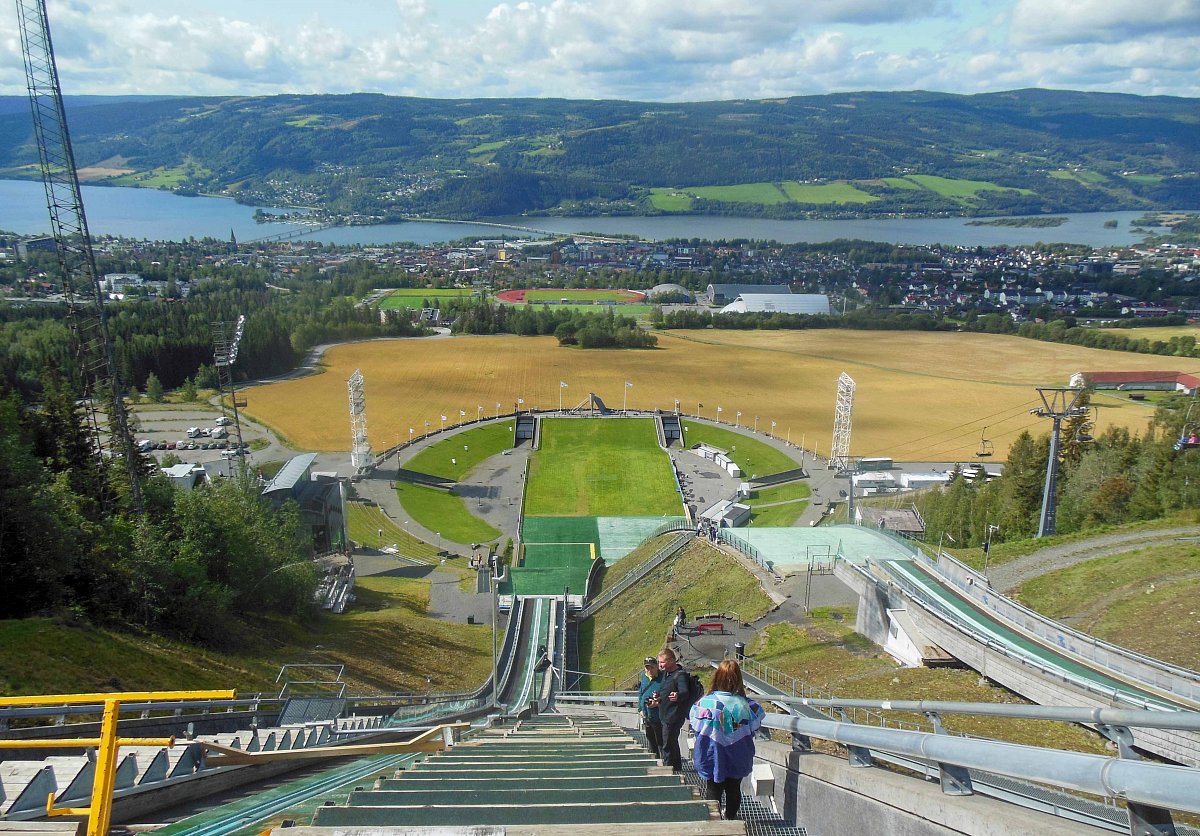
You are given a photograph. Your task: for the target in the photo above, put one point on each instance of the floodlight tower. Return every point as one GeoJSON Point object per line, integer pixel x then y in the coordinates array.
{"type": "Point", "coordinates": [97, 370]}
{"type": "Point", "coordinates": [227, 339]}
{"type": "Point", "coordinates": [1058, 405]}
{"type": "Point", "coordinates": [360, 450]}
{"type": "Point", "coordinates": [839, 457]}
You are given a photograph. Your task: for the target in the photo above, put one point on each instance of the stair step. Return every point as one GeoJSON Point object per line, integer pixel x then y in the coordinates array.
{"type": "Point", "coordinates": [613, 782]}
{"type": "Point", "coordinates": [530, 793]}
{"type": "Point", "coordinates": [496, 814]}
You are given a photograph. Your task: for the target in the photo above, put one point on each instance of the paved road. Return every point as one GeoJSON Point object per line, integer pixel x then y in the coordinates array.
{"type": "Point", "coordinates": [1010, 575]}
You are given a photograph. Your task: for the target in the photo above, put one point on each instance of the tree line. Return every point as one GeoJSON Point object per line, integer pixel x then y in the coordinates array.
{"type": "Point", "coordinates": [1116, 477]}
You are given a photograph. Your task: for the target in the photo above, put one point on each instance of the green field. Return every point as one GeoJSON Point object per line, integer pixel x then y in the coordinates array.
{"type": "Point", "coordinates": [959, 189]}
{"type": "Point", "coordinates": [414, 297]}
{"type": "Point", "coordinates": [759, 194]}
{"type": "Point", "coordinates": [670, 200]}
{"type": "Point", "coordinates": [552, 294]}
{"type": "Point", "coordinates": [453, 458]}
{"type": "Point", "coordinates": [793, 496]}
{"type": "Point", "coordinates": [901, 183]}
{"type": "Point", "coordinates": [606, 468]}
{"type": "Point", "coordinates": [444, 513]}
{"type": "Point", "coordinates": [826, 193]}
{"type": "Point", "coordinates": [753, 456]}
{"type": "Point", "coordinates": [159, 178]}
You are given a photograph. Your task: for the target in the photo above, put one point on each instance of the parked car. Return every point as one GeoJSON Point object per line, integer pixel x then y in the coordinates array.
{"type": "Point", "coordinates": [193, 432]}
{"type": "Point", "coordinates": [223, 420]}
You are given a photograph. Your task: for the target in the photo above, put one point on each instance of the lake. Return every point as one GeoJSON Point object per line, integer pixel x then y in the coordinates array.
{"type": "Point", "coordinates": [159, 215]}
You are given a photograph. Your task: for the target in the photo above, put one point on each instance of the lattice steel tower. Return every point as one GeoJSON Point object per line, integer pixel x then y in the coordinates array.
{"type": "Point", "coordinates": [227, 339]}
{"type": "Point", "coordinates": [97, 371]}
{"type": "Point", "coordinates": [360, 450]}
{"type": "Point", "coordinates": [839, 457]}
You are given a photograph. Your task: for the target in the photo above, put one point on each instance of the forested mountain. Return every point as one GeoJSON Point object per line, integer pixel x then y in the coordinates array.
{"type": "Point", "coordinates": [1026, 151]}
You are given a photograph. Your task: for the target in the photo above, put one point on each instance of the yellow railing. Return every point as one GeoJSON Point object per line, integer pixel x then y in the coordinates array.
{"type": "Point", "coordinates": [99, 811]}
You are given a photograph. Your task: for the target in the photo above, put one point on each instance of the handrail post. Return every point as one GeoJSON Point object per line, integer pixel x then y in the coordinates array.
{"type": "Point", "coordinates": [1144, 819]}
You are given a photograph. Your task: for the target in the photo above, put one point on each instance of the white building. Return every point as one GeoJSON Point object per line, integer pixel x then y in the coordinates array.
{"type": "Point", "coordinates": [789, 303]}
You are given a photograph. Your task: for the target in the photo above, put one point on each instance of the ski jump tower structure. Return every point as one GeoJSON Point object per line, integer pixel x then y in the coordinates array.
{"type": "Point", "coordinates": [360, 450]}
{"type": "Point", "coordinates": [839, 456]}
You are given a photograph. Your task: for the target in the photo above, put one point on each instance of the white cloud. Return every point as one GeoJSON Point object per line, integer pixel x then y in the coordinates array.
{"type": "Point", "coordinates": [635, 49]}
{"type": "Point", "coordinates": [1100, 21]}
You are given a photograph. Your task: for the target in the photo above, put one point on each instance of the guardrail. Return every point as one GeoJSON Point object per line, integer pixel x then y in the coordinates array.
{"type": "Point", "coordinates": [661, 556]}
{"type": "Point", "coordinates": [745, 548]}
{"type": "Point", "coordinates": [1004, 770]}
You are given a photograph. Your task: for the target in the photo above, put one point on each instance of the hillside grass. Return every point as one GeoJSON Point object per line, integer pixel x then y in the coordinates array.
{"type": "Point", "coordinates": [1087, 178]}
{"type": "Point", "coordinates": [824, 652]}
{"type": "Point", "coordinates": [670, 200]}
{"type": "Point", "coordinates": [753, 456]}
{"type": "Point", "coordinates": [444, 513]}
{"type": "Point", "coordinates": [364, 522]}
{"type": "Point", "coordinates": [957, 189]}
{"type": "Point", "coordinates": [384, 640]}
{"type": "Point", "coordinates": [637, 624]}
{"type": "Point", "coordinates": [916, 390]}
{"type": "Point", "coordinates": [456, 456]}
{"type": "Point", "coordinates": [1111, 598]}
{"type": "Point", "coordinates": [758, 194]}
{"type": "Point", "coordinates": [609, 468]}
{"type": "Point", "coordinates": [826, 193]}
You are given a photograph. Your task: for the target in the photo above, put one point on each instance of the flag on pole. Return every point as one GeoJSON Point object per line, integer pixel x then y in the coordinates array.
{"type": "Point", "coordinates": [462, 413]}
{"type": "Point", "coordinates": [628, 385]}
{"type": "Point", "coordinates": [520, 400]}
{"type": "Point", "coordinates": [562, 384]}
{"type": "Point", "coordinates": [443, 417]}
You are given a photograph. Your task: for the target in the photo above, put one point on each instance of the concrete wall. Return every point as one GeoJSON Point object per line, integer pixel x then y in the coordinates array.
{"type": "Point", "coordinates": [827, 796]}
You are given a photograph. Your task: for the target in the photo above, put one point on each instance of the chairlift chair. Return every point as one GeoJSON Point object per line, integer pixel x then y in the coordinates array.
{"type": "Point", "coordinates": [986, 448]}
{"type": "Point", "coordinates": [1085, 434]}
{"type": "Point", "coordinates": [1189, 438]}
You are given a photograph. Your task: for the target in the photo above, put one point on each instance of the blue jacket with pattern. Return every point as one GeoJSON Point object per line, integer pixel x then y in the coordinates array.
{"type": "Point", "coordinates": [725, 724]}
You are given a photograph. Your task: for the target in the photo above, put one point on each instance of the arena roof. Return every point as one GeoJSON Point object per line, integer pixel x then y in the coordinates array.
{"type": "Point", "coordinates": [792, 303]}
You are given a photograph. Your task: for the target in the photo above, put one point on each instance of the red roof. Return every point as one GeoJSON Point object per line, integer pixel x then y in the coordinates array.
{"type": "Point", "coordinates": [1181, 378]}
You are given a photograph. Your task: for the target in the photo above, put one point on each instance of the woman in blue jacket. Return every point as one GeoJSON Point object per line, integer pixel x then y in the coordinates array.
{"type": "Point", "coordinates": [725, 721]}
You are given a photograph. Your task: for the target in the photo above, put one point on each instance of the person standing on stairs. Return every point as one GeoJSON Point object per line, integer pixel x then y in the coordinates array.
{"type": "Point", "coordinates": [672, 707]}
{"type": "Point", "coordinates": [725, 722]}
{"type": "Point", "coordinates": [648, 688]}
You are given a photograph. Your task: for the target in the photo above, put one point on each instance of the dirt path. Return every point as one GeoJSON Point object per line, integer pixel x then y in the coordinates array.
{"type": "Point", "coordinates": [1011, 575]}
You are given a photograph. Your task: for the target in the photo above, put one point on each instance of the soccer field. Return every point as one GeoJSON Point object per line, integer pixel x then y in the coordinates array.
{"type": "Point", "coordinates": [609, 467]}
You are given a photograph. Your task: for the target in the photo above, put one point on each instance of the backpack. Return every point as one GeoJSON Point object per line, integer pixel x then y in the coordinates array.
{"type": "Point", "coordinates": [695, 691]}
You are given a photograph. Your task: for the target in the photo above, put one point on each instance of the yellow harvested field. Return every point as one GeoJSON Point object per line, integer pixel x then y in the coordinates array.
{"type": "Point", "coordinates": [920, 397]}
{"type": "Point", "coordinates": [1163, 333]}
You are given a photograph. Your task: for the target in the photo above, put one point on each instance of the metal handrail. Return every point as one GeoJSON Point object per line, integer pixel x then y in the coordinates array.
{"type": "Point", "coordinates": [1178, 720]}
{"type": "Point", "coordinates": [660, 557]}
{"type": "Point", "coordinates": [1140, 782]}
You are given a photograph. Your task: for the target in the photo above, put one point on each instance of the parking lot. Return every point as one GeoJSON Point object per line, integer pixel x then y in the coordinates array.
{"type": "Point", "coordinates": [163, 428]}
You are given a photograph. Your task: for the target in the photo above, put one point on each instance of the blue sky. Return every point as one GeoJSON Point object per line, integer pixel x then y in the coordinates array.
{"type": "Point", "coordinates": [656, 50]}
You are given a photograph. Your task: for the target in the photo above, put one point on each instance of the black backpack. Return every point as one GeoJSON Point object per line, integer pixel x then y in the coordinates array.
{"type": "Point", "coordinates": [695, 690]}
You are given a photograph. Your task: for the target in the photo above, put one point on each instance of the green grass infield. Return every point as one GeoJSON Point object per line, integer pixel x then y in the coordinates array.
{"type": "Point", "coordinates": [611, 467]}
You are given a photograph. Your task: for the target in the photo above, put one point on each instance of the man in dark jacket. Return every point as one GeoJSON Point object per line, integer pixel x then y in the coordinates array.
{"type": "Point", "coordinates": [648, 705]}
{"type": "Point", "coordinates": [672, 707]}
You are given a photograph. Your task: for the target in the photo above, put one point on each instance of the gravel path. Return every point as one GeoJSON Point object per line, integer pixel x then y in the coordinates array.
{"type": "Point", "coordinates": [1011, 575]}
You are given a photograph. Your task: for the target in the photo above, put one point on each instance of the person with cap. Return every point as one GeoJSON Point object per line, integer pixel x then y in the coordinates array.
{"type": "Point", "coordinates": [648, 696]}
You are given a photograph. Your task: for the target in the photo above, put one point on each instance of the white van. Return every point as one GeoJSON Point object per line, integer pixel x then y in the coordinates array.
{"type": "Point", "coordinates": [219, 432]}
{"type": "Point", "coordinates": [193, 432]}
{"type": "Point", "coordinates": [223, 420]}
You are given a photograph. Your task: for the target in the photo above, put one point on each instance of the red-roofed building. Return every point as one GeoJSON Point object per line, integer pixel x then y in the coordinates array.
{"type": "Point", "coordinates": [1155, 381]}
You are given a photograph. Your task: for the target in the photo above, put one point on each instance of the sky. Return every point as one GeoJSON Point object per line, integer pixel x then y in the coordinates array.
{"type": "Point", "coordinates": [649, 50]}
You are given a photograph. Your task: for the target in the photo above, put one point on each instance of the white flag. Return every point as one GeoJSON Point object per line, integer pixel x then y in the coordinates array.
{"type": "Point", "coordinates": [628, 385]}
{"type": "Point", "coordinates": [443, 417]}
{"type": "Point", "coordinates": [462, 413]}
{"type": "Point", "coordinates": [520, 400]}
{"type": "Point", "coordinates": [562, 384]}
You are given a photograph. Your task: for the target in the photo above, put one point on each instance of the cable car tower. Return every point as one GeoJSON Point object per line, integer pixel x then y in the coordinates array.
{"type": "Point", "coordinates": [96, 374]}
